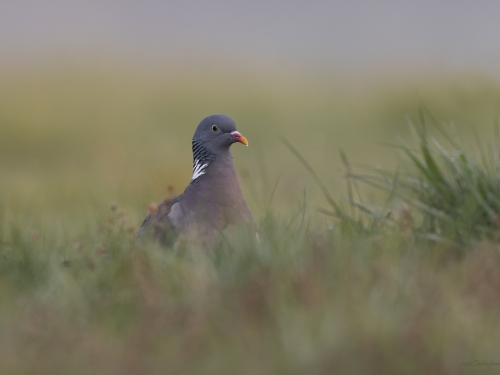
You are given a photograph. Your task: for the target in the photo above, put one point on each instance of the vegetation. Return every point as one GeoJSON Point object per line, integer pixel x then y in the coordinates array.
{"type": "Point", "coordinates": [443, 195]}
{"type": "Point", "coordinates": [400, 276]}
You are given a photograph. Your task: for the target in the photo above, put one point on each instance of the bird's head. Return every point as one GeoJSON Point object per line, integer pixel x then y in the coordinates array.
{"type": "Point", "coordinates": [218, 133]}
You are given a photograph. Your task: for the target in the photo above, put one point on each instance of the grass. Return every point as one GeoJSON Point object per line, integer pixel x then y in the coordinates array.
{"type": "Point", "coordinates": [299, 301]}
{"type": "Point", "coordinates": [448, 195]}
{"type": "Point", "coordinates": [380, 281]}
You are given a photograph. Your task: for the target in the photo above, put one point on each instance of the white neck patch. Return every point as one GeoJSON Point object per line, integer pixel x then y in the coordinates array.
{"type": "Point", "coordinates": [198, 169]}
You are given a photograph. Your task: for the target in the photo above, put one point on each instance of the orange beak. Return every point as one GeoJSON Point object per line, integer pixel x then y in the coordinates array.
{"type": "Point", "coordinates": [239, 138]}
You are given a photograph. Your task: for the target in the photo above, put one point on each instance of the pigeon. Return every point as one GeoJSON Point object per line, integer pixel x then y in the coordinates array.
{"type": "Point", "coordinates": [213, 202]}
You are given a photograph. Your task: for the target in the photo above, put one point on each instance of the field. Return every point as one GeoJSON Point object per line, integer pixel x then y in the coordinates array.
{"type": "Point", "coordinates": [383, 279]}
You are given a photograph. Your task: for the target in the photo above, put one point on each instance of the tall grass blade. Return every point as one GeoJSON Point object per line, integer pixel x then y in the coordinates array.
{"type": "Point", "coordinates": [314, 175]}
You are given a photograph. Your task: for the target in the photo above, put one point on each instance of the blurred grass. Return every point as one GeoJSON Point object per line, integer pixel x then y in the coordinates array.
{"type": "Point", "coordinates": [77, 296]}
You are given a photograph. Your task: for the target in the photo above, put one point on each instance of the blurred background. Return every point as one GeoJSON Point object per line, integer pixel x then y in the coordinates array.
{"type": "Point", "coordinates": [99, 99]}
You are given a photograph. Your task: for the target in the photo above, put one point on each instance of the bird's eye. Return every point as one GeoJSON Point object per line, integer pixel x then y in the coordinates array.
{"type": "Point", "coordinates": [214, 128]}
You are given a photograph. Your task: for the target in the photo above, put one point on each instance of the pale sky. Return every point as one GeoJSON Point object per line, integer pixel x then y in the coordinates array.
{"type": "Point", "coordinates": [459, 34]}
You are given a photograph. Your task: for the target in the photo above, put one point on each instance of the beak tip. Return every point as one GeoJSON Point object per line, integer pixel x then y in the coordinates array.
{"type": "Point", "coordinates": [243, 140]}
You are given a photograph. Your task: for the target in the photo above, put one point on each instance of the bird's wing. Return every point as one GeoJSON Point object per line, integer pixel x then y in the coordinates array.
{"type": "Point", "coordinates": [159, 224]}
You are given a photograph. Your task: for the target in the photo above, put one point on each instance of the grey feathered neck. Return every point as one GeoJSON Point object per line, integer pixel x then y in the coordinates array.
{"type": "Point", "coordinates": [202, 157]}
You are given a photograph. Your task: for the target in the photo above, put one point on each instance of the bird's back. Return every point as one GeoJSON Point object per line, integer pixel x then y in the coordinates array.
{"type": "Point", "coordinates": [158, 225]}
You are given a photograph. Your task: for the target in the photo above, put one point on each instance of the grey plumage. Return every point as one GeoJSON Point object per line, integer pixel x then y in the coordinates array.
{"type": "Point", "coordinates": [212, 202]}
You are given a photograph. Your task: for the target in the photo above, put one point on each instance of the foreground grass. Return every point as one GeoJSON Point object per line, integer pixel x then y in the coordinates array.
{"type": "Point", "coordinates": [303, 300]}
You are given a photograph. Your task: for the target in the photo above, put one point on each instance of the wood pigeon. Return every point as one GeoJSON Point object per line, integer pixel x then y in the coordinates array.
{"type": "Point", "coordinates": [212, 203]}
